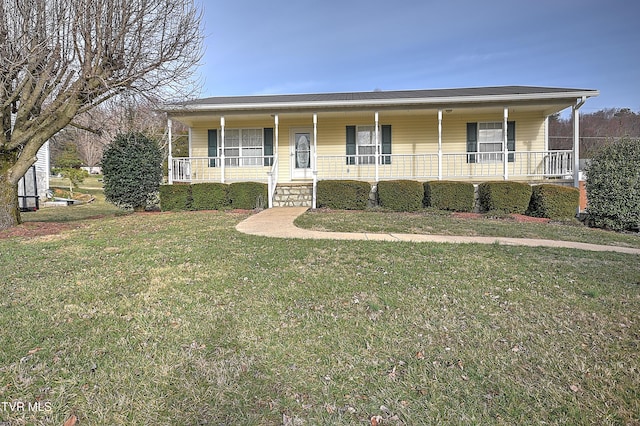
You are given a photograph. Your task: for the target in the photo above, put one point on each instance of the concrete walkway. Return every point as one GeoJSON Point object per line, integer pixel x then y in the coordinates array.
{"type": "Point", "coordinates": [278, 222]}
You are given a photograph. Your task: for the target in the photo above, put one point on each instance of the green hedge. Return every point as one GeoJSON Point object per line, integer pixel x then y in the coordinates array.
{"type": "Point", "coordinates": [210, 196]}
{"type": "Point", "coordinates": [248, 195]}
{"type": "Point", "coordinates": [506, 197]}
{"type": "Point", "coordinates": [343, 194]}
{"type": "Point", "coordinates": [554, 201]}
{"type": "Point", "coordinates": [400, 195]}
{"type": "Point", "coordinates": [448, 195]}
{"type": "Point", "coordinates": [175, 197]}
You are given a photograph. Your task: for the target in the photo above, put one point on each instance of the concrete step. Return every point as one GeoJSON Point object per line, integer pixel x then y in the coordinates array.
{"type": "Point", "coordinates": [293, 195]}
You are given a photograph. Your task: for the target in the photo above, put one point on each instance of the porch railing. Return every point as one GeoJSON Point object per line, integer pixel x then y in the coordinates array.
{"type": "Point", "coordinates": [209, 169]}
{"type": "Point", "coordinates": [528, 165]}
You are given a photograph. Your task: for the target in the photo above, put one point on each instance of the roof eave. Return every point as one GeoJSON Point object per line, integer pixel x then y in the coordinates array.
{"type": "Point", "coordinates": [568, 97]}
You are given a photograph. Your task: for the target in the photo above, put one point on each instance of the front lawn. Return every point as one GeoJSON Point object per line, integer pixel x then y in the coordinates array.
{"type": "Point", "coordinates": [176, 318]}
{"type": "Point", "coordinates": [445, 223]}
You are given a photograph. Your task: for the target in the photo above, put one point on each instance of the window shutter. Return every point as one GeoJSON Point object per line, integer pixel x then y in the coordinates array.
{"type": "Point", "coordinates": [472, 142]}
{"type": "Point", "coordinates": [268, 146]}
{"type": "Point", "coordinates": [351, 145]}
{"type": "Point", "coordinates": [511, 139]}
{"type": "Point", "coordinates": [386, 144]}
{"type": "Point", "coordinates": [212, 147]}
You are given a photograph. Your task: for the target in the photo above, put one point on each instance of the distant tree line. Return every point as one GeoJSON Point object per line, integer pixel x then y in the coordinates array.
{"type": "Point", "coordinates": [597, 129]}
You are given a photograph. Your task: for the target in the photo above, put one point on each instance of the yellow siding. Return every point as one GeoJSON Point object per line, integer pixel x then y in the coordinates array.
{"type": "Point", "coordinates": [414, 133]}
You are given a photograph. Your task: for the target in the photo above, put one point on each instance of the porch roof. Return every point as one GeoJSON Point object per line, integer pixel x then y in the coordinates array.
{"type": "Point", "coordinates": [550, 99]}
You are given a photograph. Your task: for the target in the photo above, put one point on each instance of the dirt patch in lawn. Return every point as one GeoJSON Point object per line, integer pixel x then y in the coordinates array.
{"type": "Point", "coordinates": [513, 217]}
{"type": "Point", "coordinates": [37, 229]}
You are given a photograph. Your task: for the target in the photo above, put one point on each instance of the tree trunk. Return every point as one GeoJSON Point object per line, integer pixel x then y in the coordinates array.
{"type": "Point", "coordinates": [9, 211]}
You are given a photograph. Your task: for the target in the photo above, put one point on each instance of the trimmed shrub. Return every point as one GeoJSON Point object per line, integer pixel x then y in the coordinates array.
{"type": "Point", "coordinates": [248, 195]}
{"type": "Point", "coordinates": [132, 168]}
{"type": "Point", "coordinates": [554, 201]}
{"type": "Point", "coordinates": [210, 196]}
{"type": "Point", "coordinates": [400, 195]}
{"type": "Point", "coordinates": [175, 197]}
{"type": "Point", "coordinates": [505, 197]}
{"type": "Point", "coordinates": [343, 194]}
{"type": "Point", "coordinates": [448, 195]}
{"type": "Point", "coordinates": [613, 186]}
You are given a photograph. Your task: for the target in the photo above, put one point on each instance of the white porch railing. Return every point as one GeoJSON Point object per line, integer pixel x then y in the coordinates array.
{"type": "Point", "coordinates": [272, 181]}
{"type": "Point", "coordinates": [208, 169]}
{"type": "Point", "coordinates": [528, 165]}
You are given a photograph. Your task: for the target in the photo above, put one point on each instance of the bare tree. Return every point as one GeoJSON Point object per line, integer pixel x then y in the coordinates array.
{"type": "Point", "coordinates": [60, 59]}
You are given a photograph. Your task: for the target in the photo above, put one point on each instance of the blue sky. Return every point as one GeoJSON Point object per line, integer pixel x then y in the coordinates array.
{"type": "Point", "coordinates": [312, 46]}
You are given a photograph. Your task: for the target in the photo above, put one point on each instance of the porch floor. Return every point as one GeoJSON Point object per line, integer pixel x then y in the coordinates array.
{"type": "Point", "coordinates": [277, 222]}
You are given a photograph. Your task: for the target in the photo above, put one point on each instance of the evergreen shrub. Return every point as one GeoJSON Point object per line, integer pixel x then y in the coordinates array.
{"type": "Point", "coordinates": [449, 195]}
{"type": "Point", "coordinates": [400, 195]}
{"type": "Point", "coordinates": [554, 201]}
{"type": "Point", "coordinates": [175, 197]}
{"type": "Point", "coordinates": [613, 186]}
{"type": "Point", "coordinates": [504, 196]}
{"type": "Point", "coordinates": [210, 196]}
{"type": "Point", "coordinates": [343, 194]}
{"type": "Point", "coordinates": [248, 195]}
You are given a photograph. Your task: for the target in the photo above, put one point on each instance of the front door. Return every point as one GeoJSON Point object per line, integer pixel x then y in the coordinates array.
{"type": "Point", "coordinates": [301, 145]}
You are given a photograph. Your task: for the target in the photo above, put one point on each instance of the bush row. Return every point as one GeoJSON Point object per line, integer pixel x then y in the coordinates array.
{"type": "Point", "coordinates": [213, 196]}
{"type": "Point", "coordinates": [550, 201]}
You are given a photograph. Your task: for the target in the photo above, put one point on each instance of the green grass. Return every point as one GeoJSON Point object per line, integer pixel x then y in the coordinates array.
{"type": "Point", "coordinates": [176, 318]}
{"type": "Point", "coordinates": [444, 223]}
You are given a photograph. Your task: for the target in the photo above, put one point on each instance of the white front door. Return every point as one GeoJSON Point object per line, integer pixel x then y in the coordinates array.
{"type": "Point", "coordinates": [301, 145]}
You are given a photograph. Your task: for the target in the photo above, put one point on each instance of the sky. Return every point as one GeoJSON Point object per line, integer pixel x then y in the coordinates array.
{"type": "Point", "coordinates": [257, 47]}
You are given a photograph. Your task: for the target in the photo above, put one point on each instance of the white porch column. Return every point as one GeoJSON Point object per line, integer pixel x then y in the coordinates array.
{"type": "Point", "coordinates": [222, 123]}
{"type": "Point", "coordinates": [576, 141]}
{"type": "Point", "coordinates": [377, 155]}
{"type": "Point", "coordinates": [439, 144]}
{"type": "Point", "coordinates": [314, 166]}
{"type": "Point", "coordinates": [170, 157]}
{"type": "Point", "coordinates": [276, 121]}
{"type": "Point", "coordinates": [505, 150]}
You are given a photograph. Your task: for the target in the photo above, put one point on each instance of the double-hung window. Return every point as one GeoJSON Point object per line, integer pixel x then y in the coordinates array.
{"type": "Point", "coordinates": [243, 147]}
{"type": "Point", "coordinates": [490, 139]}
{"type": "Point", "coordinates": [366, 144]}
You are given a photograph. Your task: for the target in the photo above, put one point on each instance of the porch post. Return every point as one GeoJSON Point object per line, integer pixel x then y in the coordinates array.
{"type": "Point", "coordinates": [439, 144]}
{"type": "Point", "coordinates": [276, 120]}
{"type": "Point", "coordinates": [505, 151]}
{"type": "Point", "coordinates": [222, 123]}
{"type": "Point", "coordinates": [377, 154]}
{"type": "Point", "coordinates": [170, 157]}
{"type": "Point", "coordinates": [314, 169]}
{"type": "Point", "coordinates": [576, 141]}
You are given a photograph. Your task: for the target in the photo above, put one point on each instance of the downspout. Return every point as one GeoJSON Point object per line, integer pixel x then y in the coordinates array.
{"type": "Point", "coordinates": [576, 140]}
{"type": "Point", "coordinates": [315, 161]}
{"type": "Point", "coordinates": [170, 157]}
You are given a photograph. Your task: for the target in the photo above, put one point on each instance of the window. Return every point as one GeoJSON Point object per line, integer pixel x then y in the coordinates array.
{"type": "Point", "coordinates": [366, 144]}
{"type": "Point", "coordinates": [485, 142]}
{"type": "Point", "coordinates": [361, 144]}
{"type": "Point", "coordinates": [243, 147]}
{"type": "Point", "coordinates": [490, 139]}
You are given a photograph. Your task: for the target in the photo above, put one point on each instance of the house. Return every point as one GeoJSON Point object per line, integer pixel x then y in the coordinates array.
{"type": "Point", "coordinates": [33, 186]}
{"type": "Point", "coordinates": [293, 141]}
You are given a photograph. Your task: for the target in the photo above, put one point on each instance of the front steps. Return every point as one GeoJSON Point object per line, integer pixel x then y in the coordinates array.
{"type": "Point", "coordinates": [293, 195]}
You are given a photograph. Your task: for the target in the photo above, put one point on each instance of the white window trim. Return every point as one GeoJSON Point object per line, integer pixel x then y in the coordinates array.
{"type": "Point", "coordinates": [493, 156]}
{"type": "Point", "coordinates": [243, 160]}
{"type": "Point", "coordinates": [365, 158]}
